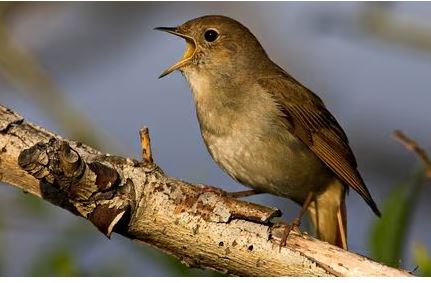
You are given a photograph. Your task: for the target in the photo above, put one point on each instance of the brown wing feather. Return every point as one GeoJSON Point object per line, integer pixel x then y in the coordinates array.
{"type": "Point", "coordinates": [310, 121]}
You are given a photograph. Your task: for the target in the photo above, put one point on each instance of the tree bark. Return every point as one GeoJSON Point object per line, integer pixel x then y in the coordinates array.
{"type": "Point", "coordinates": [201, 226]}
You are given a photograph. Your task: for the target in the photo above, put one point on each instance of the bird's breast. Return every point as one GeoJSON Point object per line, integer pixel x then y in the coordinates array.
{"type": "Point", "coordinates": [278, 164]}
{"type": "Point", "coordinates": [244, 133]}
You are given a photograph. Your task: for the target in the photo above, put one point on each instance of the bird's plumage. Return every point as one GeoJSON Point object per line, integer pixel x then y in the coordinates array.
{"type": "Point", "coordinates": [264, 128]}
{"type": "Point", "coordinates": [310, 121]}
{"type": "Point", "coordinates": [328, 214]}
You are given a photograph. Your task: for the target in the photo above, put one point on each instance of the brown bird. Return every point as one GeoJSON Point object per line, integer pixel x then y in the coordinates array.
{"type": "Point", "coordinates": [264, 128]}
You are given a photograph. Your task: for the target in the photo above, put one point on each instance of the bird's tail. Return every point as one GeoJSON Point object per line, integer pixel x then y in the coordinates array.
{"type": "Point", "coordinates": [328, 215]}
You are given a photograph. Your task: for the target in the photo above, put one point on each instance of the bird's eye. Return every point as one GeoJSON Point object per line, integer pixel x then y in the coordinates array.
{"type": "Point", "coordinates": [211, 35]}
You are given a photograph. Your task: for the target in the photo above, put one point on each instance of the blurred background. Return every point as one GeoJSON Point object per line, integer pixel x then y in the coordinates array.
{"type": "Point", "coordinates": [88, 71]}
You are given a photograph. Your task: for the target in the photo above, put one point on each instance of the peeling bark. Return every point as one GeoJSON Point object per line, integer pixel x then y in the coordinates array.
{"type": "Point", "coordinates": [203, 228]}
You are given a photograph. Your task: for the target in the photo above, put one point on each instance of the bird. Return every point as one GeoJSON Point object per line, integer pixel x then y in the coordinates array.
{"type": "Point", "coordinates": [264, 128]}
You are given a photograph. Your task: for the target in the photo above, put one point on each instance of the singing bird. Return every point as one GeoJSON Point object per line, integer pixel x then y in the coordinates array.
{"type": "Point", "coordinates": [264, 128]}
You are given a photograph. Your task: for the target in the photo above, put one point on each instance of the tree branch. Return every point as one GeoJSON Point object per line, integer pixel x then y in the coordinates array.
{"type": "Point", "coordinates": [413, 146]}
{"type": "Point", "coordinates": [203, 228]}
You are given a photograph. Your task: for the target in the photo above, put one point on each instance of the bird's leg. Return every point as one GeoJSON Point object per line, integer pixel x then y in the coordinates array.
{"type": "Point", "coordinates": [211, 189]}
{"type": "Point", "coordinates": [294, 225]}
{"type": "Point", "coordinates": [242, 194]}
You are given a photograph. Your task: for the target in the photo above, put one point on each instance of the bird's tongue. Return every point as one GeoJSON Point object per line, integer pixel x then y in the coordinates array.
{"type": "Point", "coordinates": [190, 50]}
{"type": "Point", "coordinates": [188, 54]}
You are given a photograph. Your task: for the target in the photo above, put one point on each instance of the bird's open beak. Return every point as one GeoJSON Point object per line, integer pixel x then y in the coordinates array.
{"type": "Point", "coordinates": [188, 54]}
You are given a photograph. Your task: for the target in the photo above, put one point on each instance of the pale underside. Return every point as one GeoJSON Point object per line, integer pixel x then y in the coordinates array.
{"type": "Point", "coordinates": [255, 147]}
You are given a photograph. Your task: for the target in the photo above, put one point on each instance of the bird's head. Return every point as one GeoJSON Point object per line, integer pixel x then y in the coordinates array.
{"type": "Point", "coordinates": [216, 43]}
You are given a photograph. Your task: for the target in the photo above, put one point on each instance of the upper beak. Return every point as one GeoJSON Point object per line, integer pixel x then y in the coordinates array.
{"type": "Point", "coordinates": [188, 54]}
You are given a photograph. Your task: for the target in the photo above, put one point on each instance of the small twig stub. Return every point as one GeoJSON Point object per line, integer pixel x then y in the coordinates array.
{"type": "Point", "coordinates": [146, 145]}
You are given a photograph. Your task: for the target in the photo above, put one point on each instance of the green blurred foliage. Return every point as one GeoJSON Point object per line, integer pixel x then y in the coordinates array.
{"type": "Point", "coordinates": [62, 261]}
{"type": "Point", "coordinates": [34, 205]}
{"type": "Point", "coordinates": [422, 258]}
{"type": "Point", "coordinates": [57, 262]}
{"type": "Point", "coordinates": [63, 256]}
{"type": "Point", "coordinates": [388, 235]}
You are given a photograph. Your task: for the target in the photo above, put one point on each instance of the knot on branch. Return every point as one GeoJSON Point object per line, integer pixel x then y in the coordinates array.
{"type": "Point", "coordinates": [55, 162]}
{"type": "Point", "coordinates": [90, 189]}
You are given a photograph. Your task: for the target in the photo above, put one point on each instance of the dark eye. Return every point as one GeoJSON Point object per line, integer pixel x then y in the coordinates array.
{"type": "Point", "coordinates": [211, 35]}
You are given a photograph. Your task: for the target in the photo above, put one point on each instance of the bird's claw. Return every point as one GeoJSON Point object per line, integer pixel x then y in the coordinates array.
{"type": "Point", "coordinates": [294, 225]}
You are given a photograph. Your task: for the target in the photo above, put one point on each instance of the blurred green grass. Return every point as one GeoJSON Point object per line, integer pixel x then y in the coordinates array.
{"type": "Point", "coordinates": [422, 259]}
{"type": "Point", "coordinates": [388, 234]}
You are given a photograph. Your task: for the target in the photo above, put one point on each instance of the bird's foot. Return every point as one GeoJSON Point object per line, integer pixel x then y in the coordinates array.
{"type": "Point", "coordinates": [294, 225]}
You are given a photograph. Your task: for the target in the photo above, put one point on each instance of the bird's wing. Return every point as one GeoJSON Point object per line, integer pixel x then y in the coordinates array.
{"type": "Point", "coordinates": [309, 120]}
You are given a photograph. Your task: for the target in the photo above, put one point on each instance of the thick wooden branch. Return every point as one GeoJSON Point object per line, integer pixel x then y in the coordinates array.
{"type": "Point", "coordinates": [202, 227]}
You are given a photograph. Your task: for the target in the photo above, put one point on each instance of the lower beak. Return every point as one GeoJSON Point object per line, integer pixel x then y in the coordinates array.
{"type": "Point", "coordinates": [188, 54]}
